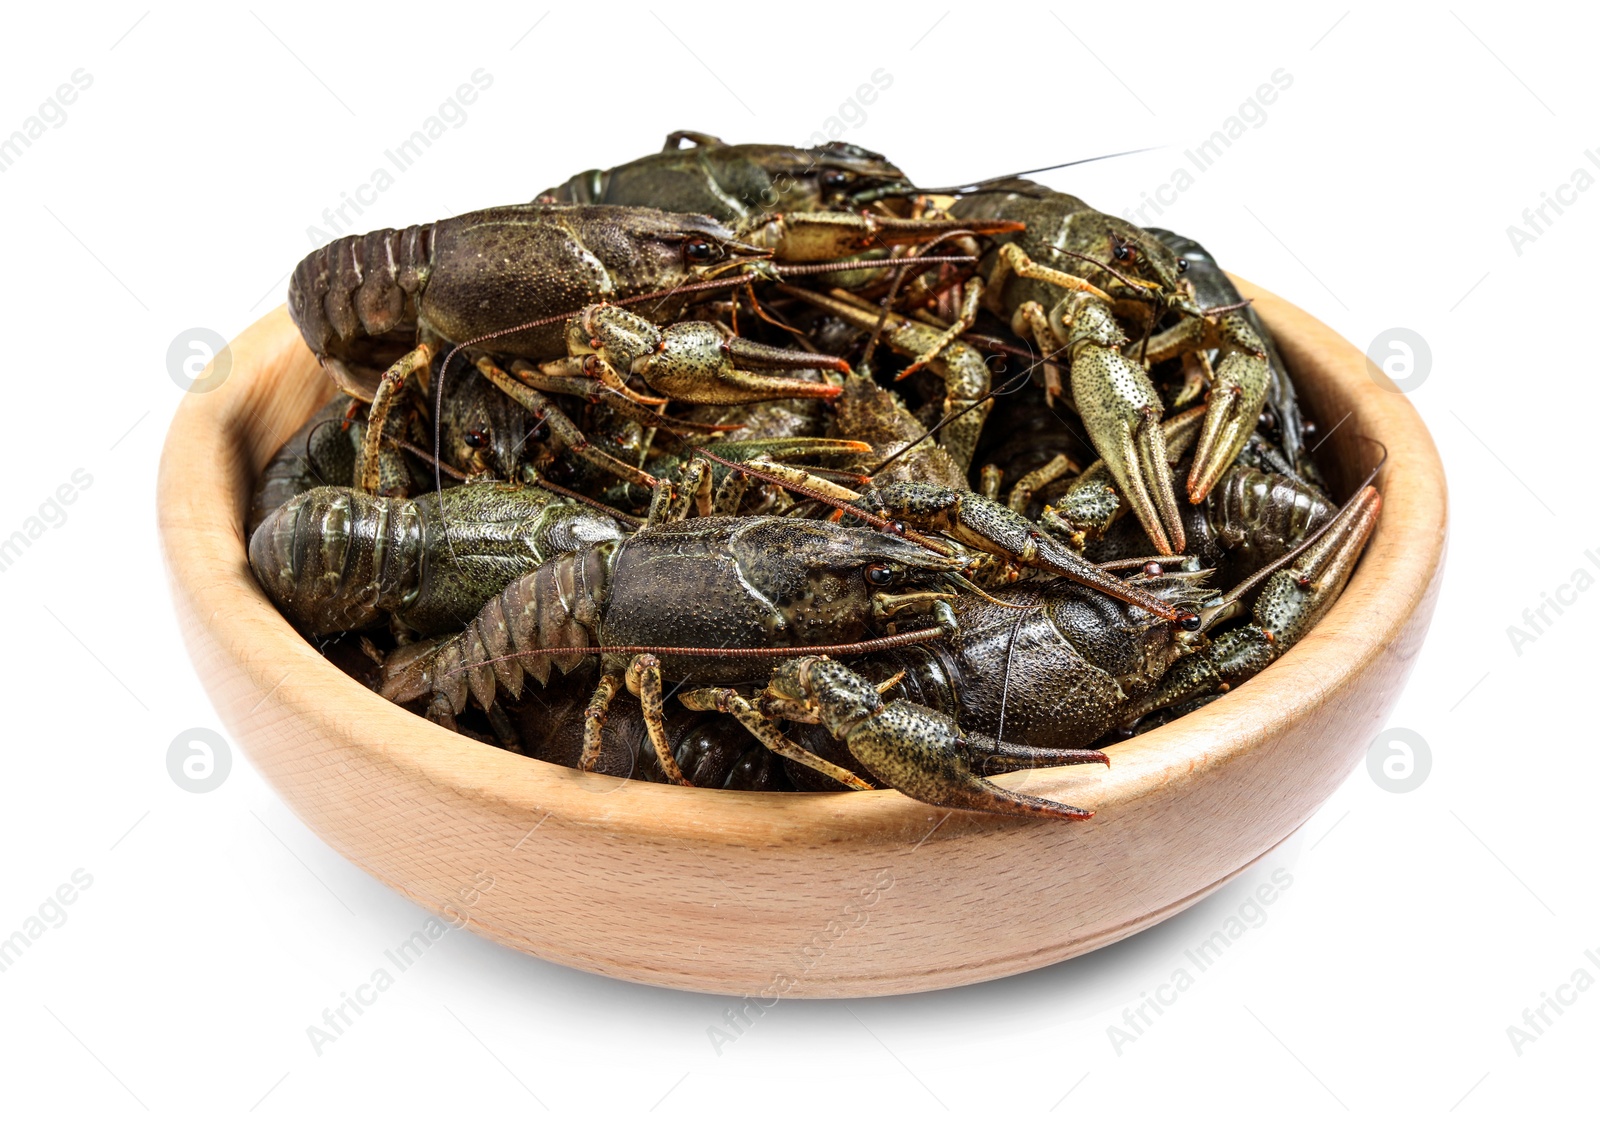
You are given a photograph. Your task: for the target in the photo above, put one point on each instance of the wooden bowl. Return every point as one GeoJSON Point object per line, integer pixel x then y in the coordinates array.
{"type": "Point", "coordinates": [796, 895]}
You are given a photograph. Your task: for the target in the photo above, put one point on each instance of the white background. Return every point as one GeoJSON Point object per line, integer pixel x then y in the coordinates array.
{"type": "Point", "coordinates": [1376, 194]}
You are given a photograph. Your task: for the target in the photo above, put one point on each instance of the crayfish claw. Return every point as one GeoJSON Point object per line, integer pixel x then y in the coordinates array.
{"type": "Point", "coordinates": [829, 235]}
{"type": "Point", "coordinates": [922, 753]}
{"type": "Point", "coordinates": [918, 751]}
{"type": "Point", "coordinates": [1243, 378]}
{"type": "Point", "coordinates": [1003, 756]}
{"type": "Point", "coordinates": [1136, 457]}
{"type": "Point", "coordinates": [1122, 412]}
{"type": "Point", "coordinates": [988, 526]}
{"type": "Point", "coordinates": [692, 361]}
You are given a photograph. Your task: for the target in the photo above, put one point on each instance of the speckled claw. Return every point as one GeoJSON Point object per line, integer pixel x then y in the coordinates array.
{"type": "Point", "coordinates": [995, 529]}
{"type": "Point", "coordinates": [1294, 594]}
{"type": "Point", "coordinates": [1122, 412]}
{"type": "Point", "coordinates": [918, 751]}
{"type": "Point", "coordinates": [1086, 509]}
{"type": "Point", "coordinates": [692, 361]}
{"type": "Point", "coordinates": [829, 235]}
{"type": "Point", "coordinates": [960, 365]}
{"type": "Point", "coordinates": [695, 363]}
{"type": "Point", "coordinates": [1295, 597]}
{"type": "Point", "coordinates": [1243, 377]}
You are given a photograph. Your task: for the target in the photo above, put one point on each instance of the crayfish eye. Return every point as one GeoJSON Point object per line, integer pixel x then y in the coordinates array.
{"type": "Point", "coordinates": [476, 438]}
{"type": "Point", "coordinates": [878, 574]}
{"type": "Point", "coordinates": [1183, 264]}
{"type": "Point", "coordinates": [833, 179]}
{"type": "Point", "coordinates": [1122, 252]}
{"type": "Point", "coordinates": [698, 251]}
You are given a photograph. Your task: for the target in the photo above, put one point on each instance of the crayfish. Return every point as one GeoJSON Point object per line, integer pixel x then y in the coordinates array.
{"type": "Point", "coordinates": [765, 468]}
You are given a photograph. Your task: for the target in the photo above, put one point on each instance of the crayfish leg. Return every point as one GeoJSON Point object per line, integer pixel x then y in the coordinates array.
{"type": "Point", "coordinates": [644, 681]}
{"type": "Point", "coordinates": [504, 730]}
{"type": "Point", "coordinates": [389, 388]}
{"type": "Point", "coordinates": [1013, 261]}
{"type": "Point", "coordinates": [594, 719]}
{"type": "Point", "coordinates": [1023, 490]}
{"type": "Point", "coordinates": [561, 426]}
{"type": "Point", "coordinates": [971, 293]}
{"type": "Point", "coordinates": [763, 729]}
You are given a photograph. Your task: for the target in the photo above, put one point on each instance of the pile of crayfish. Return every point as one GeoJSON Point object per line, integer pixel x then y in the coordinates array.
{"type": "Point", "coordinates": [757, 467]}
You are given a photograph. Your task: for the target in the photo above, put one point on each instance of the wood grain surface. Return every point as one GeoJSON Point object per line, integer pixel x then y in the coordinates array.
{"type": "Point", "coordinates": [797, 895]}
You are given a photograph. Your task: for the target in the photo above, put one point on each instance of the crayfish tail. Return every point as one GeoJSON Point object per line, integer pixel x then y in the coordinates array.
{"type": "Point", "coordinates": [355, 299]}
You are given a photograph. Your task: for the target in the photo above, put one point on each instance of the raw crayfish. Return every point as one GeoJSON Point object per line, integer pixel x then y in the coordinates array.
{"type": "Point", "coordinates": [677, 456]}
